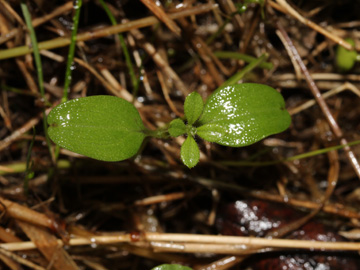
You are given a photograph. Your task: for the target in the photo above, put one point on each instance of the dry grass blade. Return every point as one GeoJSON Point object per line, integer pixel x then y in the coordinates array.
{"type": "Point", "coordinates": [166, 94]}
{"type": "Point", "coordinates": [321, 102]}
{"type": "Point", "coordinates": [38, 21]}
{"type": "Point", "coordinates": [162, 16]}
{"type": "Point", "coordinates": [21, 260]}
{"type": "Point", "coordinates": [159, 61]}
{"type": "Point", "coordinates": [222, 264]}
{"type": "Point", "coordinates": [20, 212]}
{"type": "Point", "coordinates": [160, 198]}
{"type": "Point", "coordinates": [335, 209]}
{"type": "Point", "coordinates": [236, 243]}
{"type": "Point", "coordinates": [48, 245]}
{"type": "Point", "coordinates": [313, 25]}
{"type": "Point", "coordinates": [107, 31]}
{"type": "Point", "coordinates": [82, 213]}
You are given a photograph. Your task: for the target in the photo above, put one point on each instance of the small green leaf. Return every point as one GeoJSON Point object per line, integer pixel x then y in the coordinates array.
{"type": "Point", "coordinates": [101, 127]}
{"type": "Point", "coordinates": [190, 153]}
{"type": "Point", "coordinates": [193, 107]}
{"type": "Point", "coordinates": [171, 267]}
{"type": "Point", "coordinates": [243, 114]}
{"type": "Point", "coordinates": [177, 128]}
{"type": "Point", "coordinates": [345, 59]}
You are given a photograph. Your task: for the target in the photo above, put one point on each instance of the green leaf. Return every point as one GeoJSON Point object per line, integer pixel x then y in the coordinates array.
{"type": "Point", "coordinates": [101, 127]}
{"type": "Point", "coordinates": [193, 107]}
{"type": "Point", "coordinates": [190, 153]}
{"type": "Point", "coordinates": [177, 128]}
{"type": "Point", "coordinates": [243, 114]}
{"type": "Point", "coordinates": [171, 267]}
{"type": "Point", "coordinates": [345, 59]}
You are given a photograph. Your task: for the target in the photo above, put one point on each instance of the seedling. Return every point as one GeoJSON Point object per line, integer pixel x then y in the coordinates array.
{"type": "Point", "coordinates": [109, 128]}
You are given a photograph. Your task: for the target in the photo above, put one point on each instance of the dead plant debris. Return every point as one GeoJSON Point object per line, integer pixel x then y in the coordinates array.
{"type": "Point", "coordinates": [252, 207]}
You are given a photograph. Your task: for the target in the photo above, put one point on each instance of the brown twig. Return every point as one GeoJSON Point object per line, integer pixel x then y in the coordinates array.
{"type": "Point", "coordinates": [20, 212]}
{"type": "Point", "coordinates": [38, 21]}
{"type": "Point", "coordinates": [336, 209]}
{"type": "Point", "coordinates": [20, 260]}
{"type": "Point", "coordinates": [166, 94]}
{"type": "Point", "coordinates": [236, 243]}
{"type": "Point", "coordinates": [311, 24]}
{"type": "Point", "coordinates": [162, 16]}
{"type": "Point", "coordinates": [159, 61]}
{"type": "Point", "coordinates": [48, 246]}
{"type": "Point", "coordinates": [106, 31]}
{"type": "Point", "coordinates": [160, 198]}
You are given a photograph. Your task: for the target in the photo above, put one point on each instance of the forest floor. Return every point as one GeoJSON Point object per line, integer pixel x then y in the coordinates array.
{"type": "Point", "coordinates": [290, 201]}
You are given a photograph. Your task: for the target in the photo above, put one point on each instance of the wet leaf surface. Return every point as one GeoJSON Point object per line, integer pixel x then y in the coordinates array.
{"type": "Point", "coordinates": [101, 127]}
{"type": "Point", "coordinates": [243, 114]}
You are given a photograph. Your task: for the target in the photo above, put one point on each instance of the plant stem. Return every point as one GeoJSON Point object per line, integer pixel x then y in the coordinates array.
{"type": "Point", "coordinates": [134, 80]}
{"type": "Point", "coordinates": [38, 64]}
{"type": "Point", "coordinates": [241, 56]}
{"type": "Point", "coordinates": [297, 157]}
{"type": "Point", "coordinates": [239, 75]}
{"type": "Point", "coordinates": [70, 58]}
{"type": "Point", "coordinates": [160, 133]}
{"type": "Point", "coordinates": [20, 167]}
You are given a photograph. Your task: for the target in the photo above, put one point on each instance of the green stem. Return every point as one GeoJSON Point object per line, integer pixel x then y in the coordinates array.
{"type": "Point", "coordinates": [297, 157]}
{"type": "Point", "coordinates": [38, 64]}
{"type": "Point", "coordinates": [70, 58]}
{"type": "Point", "coordinates": [239, 75]}
{"type": "Point", "coordinates": [20, 167]}
{"type": "Point", "coordinates": [217, 33]}
{"type": "Point", "coordinates": [241, 56]}
{"type": "Point", "coordinates": [160, 133]}
{"type": "Point", "coordinates": [134, 80]}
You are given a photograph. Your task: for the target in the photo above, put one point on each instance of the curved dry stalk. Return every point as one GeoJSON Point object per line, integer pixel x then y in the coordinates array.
{"type": "Point", "coordinates": [321, 102]}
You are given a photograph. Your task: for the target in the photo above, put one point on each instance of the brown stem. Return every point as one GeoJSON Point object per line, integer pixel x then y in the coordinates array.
{"type": "Point", "coordinates": [321, 102]}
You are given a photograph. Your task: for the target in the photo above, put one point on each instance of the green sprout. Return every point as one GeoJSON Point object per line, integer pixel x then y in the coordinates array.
{"type": "Point", "coordinates": [346, 59]}
{"type": "Point", "coordinates": [109, 128]}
